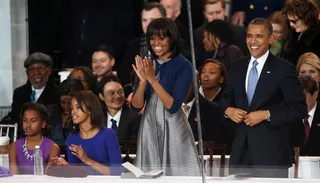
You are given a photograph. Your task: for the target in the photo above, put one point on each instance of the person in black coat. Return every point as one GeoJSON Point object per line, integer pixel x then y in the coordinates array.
{"type": "Point", "coordinates": [212, 119]}
{"type": "Point", "coordinates": [138, 46]}
{"type": "Point", "coordinates": [306, 132]}
{"type": "Point", "coordinates": [305, 36]}
{"type": "Point", "coordinates": [117, 112]}
{"type": "Point", "coordinates": [39, 88]}
{"type": "Point", "coordinates": [263, 97]}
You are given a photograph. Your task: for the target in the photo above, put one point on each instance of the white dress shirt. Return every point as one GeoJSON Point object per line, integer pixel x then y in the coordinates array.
{"type": "Point", "coordinates": [115, 117]}
{"type": "Point", "coordinates": [190, 104]}
{"type": "Point", "coordinates": [311, 115]}
{"type": "Point", "coordinates": [261, 61]}
{"type": "Point", "coordinates": [38, 92]}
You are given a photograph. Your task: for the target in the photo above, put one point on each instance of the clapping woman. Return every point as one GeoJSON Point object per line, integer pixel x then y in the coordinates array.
{"type": "Point", "coordinates": [165, 140]}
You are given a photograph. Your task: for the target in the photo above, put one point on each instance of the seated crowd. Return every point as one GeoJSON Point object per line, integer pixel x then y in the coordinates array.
{"type": "Point", "coordinates": [86, 116]}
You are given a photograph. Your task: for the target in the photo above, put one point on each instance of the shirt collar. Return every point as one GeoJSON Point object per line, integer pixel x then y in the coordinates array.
{"type": "Point", "coordinates": [115, 117]}
{"type": "Point", "coordinates": [190, 104]}
{"type": "Point", "coordinates": [313, 110]}
{"type": "Point", "coordinates": [38, 90]}
{"type": "Point", "coordinates": [262, 60]}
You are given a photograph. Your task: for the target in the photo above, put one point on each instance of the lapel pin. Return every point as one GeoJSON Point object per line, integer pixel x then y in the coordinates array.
{"type": "Point", "coordinates": [195, 119]}
{"type": "Point", "coordinates": [268, 72]}
{"type": "Point", "coordinates": [318, 124]}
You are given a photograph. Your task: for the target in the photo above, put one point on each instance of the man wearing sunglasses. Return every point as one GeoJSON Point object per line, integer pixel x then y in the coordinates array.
{"type": "Point", "coordinates": [39, 87]}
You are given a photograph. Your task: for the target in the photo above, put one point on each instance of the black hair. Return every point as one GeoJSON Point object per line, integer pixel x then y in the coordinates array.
{"type": "Point", "coordinates": [167, 28]}
{"type": "Point", "coordinates": [264, 22]}
{"type": "Point", "coordinates": [222, 68]}
{"type": "Point", "coordinates": [222, 30]}
{"type": "Point", "coordinates": [106, 49]}
{"type": "Point", "coordinates": [105, 80]}
{"type": "Point", "coordinates": [69, 86]}
{"type": "Point", "coordinates": [308, 84]}
{"type": "Point", "coordinates": [44, 116]}
{"type": "Point", "coordinates": [89, 76]}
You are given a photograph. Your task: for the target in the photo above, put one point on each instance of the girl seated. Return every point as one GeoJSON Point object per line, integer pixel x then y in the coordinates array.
{"type": "Point", "coordinates": [34, 118]}
{"type": "Point", "coordinates": [91, 144]}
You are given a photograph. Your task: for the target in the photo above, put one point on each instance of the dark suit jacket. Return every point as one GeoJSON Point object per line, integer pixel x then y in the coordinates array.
{"type": "Point", "coordinates": [278, 90]}
{"type": "Point", "coordinates": [211, 121]}
{"type": "Point", "coordinates": [133, 49]}
{"type": "Point", "coordinates": [21, 95]}
{"type": "Point", "coordinates": [312, 147]}
{"type": "Point", "coordinates": [128, 125]}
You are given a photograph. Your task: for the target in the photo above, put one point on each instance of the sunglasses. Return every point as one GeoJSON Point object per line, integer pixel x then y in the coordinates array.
{"type": "Point", "coordinates": [294, 21]}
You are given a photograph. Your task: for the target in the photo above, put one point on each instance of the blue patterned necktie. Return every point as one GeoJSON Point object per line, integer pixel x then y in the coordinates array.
{"type": "Point", "coordinates": [33, 96]}
{"type": "Point", "coordinates": [114, 126]}
{"type": "Point", "coordinates": [252, 81]}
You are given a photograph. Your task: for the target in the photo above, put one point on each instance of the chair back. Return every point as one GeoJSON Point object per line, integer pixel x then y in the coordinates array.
{"type": "Point", "coordinates": [211, 148]}
{"type": "Point", "coordinates": [5, 129]}
{"type": "Point", "coordinates": [296, 161]}
{"type": "Point", "coordinates": [128, 147]}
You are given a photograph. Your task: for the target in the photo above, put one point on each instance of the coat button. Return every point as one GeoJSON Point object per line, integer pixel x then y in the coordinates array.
{"type": "Point", "coordinates": [266, 8]}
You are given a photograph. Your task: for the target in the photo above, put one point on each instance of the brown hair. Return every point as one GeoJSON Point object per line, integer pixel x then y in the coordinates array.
{"type": "Point", "coordinates": [222, 68]}
{"type": "Point", "coordinates": [92, 104]}
{"type": "Point", "coordinates": [223, 3]}
{"type": "Point", "coordinates": [153, 5]}
{"type": "Point", "coordinates": [306, 10]}
{"type": "Point", "coordinates": [308, 84]}
{"type": "Point", "coordinates": [278, 17]}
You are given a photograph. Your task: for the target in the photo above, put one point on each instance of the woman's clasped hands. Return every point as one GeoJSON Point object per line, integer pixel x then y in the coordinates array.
{"type": "Point", "coordinates": [145, 69]}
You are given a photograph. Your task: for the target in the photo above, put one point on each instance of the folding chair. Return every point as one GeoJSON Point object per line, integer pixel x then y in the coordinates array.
{"type": "Point", "coordinates": [6, 128]}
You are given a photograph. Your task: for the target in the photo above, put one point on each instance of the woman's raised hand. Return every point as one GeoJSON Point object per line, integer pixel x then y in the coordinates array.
{"type": "Point", "coordinates": [139, 69]}
{"type": "Point", "coordinates": [149, 68]}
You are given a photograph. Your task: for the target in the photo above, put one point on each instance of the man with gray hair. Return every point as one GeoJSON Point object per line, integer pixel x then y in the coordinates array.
{"type": "Point", "coordinates": [173, 9]}
{"type": "Point", "coordinates": [39, 87]}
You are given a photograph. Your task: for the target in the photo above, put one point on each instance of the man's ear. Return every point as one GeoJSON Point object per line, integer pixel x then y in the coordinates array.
{"type": "Point", "coordinates": [113, 61]}
{"type": "Point", "coordinates": [177, 13]}
{"type": "Point", "coordinates": [315, 95]}
{"type": "Point", "coordinates": [101, 97]}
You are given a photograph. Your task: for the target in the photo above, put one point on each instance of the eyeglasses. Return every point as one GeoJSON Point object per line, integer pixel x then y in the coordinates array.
{"type": "Point", "coordinates": [112, 93]}
{"type": "Point", "coordinates": [31, 70]}
{"type": "Point", "coordinates": [79, 78]}
{"type": "Point", "coordinates": [294, 21]}
{"type": "Point", "coordinates": [277, 32]}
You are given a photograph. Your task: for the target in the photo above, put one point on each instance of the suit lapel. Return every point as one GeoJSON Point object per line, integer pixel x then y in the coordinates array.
{"type": "Point", "coordinates": [242, 86]}
{"type": "Point", "coordinates": [315, 121]}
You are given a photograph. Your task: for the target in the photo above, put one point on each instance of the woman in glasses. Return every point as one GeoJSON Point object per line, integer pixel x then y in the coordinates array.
{"type": "Point", "coordinates": [280, 27]}
{"type": "Point", "coordinates": [303, 16]}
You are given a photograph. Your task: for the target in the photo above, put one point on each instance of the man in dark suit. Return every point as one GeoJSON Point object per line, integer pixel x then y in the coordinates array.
{"type": "Point", "coordinates": [263, 97]}
{"type": "Point", "coordinates": [138, 46]}
{"type": "Point", "coordinates": [306, 132]}
{"type": "Point", "coordinates": [39, 88]}
{"type": "Point", "coordinates": [118, 114]}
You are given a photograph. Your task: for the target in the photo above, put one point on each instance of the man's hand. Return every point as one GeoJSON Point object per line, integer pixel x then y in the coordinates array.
{"type": "Point", "coordinates": [235, 114]}
{"type": "Point", "coordinates": [256, 117]}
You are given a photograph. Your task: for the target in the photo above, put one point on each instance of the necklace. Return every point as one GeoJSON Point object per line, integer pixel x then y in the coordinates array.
{"type": "Point", "coordinates": [25, 149]}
